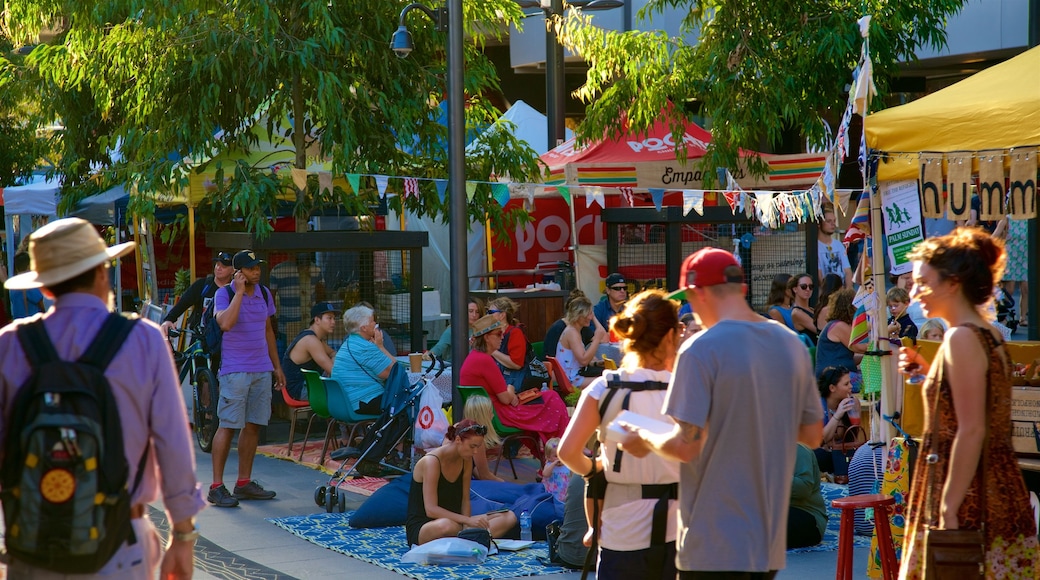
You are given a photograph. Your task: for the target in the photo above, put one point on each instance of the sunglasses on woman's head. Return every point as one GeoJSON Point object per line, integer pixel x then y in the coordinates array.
{"type": "Point", "coordinates": [494, 311]}
{"type": "Point", "coordinates": [478, 429]}
{"type": "Point", "coordinates": [806, 286]}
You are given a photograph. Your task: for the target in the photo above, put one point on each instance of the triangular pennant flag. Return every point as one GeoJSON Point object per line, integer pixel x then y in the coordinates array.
{"type": "Point", "coordinates": [442, 188]}
{"type": "Point", "coordinates": [657, 195]}
{"type": "Point", "coordinates": [733, 199]}
{"type": "Point", "coordinates": [471, 190]}
{"type": "Point", "coordinates": [860, 327]}
{"type": "Point", "coordinates": [593, 194]}
{"type": "Point", "coordinates": [693, 199]}
{"type": "Point", "coordinates": [381, 181]}
{"type": "Point", "coordinates": [411, 187]}
{"type": "Point", "coordinates": [324, 182]}
{"type": "Point", "coordinates": [565, 192]}
{"type": "Point", "coordinates": [355, 182]}
{"type": "Point", "coordinates": [500, 192]}
{"type": "Point", "coordinates": [299, 177]}
{"type": "Point", "coordinates": [627, 194]}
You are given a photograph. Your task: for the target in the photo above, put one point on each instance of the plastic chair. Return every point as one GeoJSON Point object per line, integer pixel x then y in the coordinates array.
{"type": "Point", "coordinates": [297, 408]}
{"type": "Point", "coordinates": [342, 410]}
{"type": "Point", "coordinates": [608, 363]}
{"type": "Point", "coordinates": [539, 350]}
{"type": "Point", "coordinates": [559, 378]}
{"type": "Point", "coordinates": [319, 407]}
{"type": "Point", "coordinates": [508, 434]}
{"type": "Point", "coordinates": [848, 507]}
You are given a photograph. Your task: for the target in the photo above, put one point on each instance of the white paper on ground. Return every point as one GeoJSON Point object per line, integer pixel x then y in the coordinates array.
{"type": "Point", "coordinates": [513, 545]}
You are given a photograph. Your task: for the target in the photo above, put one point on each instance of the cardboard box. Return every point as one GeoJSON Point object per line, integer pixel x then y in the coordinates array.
{"type": "Point", "coordinates": [1025, 414]}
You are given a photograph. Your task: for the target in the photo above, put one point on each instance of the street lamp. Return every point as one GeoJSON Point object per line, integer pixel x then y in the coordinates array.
{"type": "Point", "coordinates": [449, 17]}
{"type": "Point", "coordinates": [555, 84]}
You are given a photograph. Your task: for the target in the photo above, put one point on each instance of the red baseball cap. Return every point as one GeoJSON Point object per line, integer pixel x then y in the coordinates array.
{"type": "Point", "coordinates": [708, 267]}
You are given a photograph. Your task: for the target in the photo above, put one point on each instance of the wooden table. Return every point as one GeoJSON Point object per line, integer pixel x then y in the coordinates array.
{"type": "Point", "coordinates": [538, 310]}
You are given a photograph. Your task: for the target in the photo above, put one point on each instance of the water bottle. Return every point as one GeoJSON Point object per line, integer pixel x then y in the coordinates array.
{"type": "Point", "coordinates": [545, 386]}
{"type": "Point", "coordinates": [525, 525]}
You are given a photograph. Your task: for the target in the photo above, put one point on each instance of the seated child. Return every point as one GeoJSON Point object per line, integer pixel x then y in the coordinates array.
{"type": "Point", "coordinates": [933, 329]}
{"type": "Point", "coordinates": [899, 323]}
{"type": "Point", "coordinates": [555, 475]}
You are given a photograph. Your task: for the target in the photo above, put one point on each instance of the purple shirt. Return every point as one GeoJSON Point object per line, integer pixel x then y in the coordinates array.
{"type": "Point", "coordinates": [244, 347]}
{"type": "Point", "coordinates": [146, 390]}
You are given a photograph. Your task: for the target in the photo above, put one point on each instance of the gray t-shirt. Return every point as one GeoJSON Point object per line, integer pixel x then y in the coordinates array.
{"type": "Point", "coordinates": [752, 384]}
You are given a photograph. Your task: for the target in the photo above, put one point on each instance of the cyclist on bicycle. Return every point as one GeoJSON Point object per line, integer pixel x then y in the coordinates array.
{"type": "Point", "coordinates": [200, 293]}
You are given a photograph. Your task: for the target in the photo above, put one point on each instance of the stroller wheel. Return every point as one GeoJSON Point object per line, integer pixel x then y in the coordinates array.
{"type": "Point", "coordinates": [319, 495]}
{"type": "Point", "coordinates": [342, 501]}
{"type": "Point", "coordinates": [330, 500]}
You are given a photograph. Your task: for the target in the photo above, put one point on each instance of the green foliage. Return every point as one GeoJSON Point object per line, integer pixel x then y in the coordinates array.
{"type": "Point", "coordinates": [160, 79]}
{"type": "Point", "coordinates": [757, 70]}
{"type": "Point", "coordinates": [181, 281]}
{"type": "Point", "coordinates": [22, 147]}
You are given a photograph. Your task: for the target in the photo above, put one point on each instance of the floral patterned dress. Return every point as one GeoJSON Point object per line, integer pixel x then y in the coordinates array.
{"type": "Point", "coordinates": [1011, 542]}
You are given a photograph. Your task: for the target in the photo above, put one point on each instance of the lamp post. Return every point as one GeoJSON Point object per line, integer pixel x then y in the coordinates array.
{"type": "Point", "coordinates": [449, 17]}
{"type": "Point", "coordinates": [555, 83]}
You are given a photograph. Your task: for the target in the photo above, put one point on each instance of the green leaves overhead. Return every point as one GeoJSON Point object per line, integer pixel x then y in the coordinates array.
{"type": "Point", "coordinates": [758, 69]}
{"type": "Point", "coordinates": [195, 78]}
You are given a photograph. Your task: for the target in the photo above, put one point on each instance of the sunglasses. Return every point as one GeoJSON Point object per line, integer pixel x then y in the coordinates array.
{"type": "Point", "coordinates": [494, 311]}
{"type": "Point", "coordinates": [806, 286]}
{"type": "Point", "coordinates": [478, 429]}
{"type": "Point", "coordinates": [223, 258]}
{"type": "Point", "coordinates": [619, 288]}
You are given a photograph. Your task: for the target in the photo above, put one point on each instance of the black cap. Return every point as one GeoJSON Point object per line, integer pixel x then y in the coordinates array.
{"type": "Point", "coordinates": [245, 259]}
{"type": "Point", "coordinates": [321, 308]}
{"type": "Point", "coordinates": [223, 258]}
{"type": "Point", "coordinates": [615, 278]}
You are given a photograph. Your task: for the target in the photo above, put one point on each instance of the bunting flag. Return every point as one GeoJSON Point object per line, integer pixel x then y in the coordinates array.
{"type": "Point", "coordinates": [471, 190]}
{"type": "Point", "coordinates": [565, 192]}
{"type": "Point", "coordinates": [355, 182]}
{"type": "Point", "coordinates": [594, 195]}
{"type": "Point", "coordinates": [958, 186]}
{"type": "Point", "coordinates": [299, 177]}
{"type": "Point", "coordinates": [860, 333]}
{"type": "Point", "coordinates": [626, 192]}
{"type": "Point", "coordinates": [933, 204]}
{"type": "Point", "coordinates": [864, 88]}
{"type": "Point", "coordinates": [442, 188]}
{"type": "Point", "coordinates": [411, 187]}
{"type": "Point", "coordinates": [381, 182]}
{"type": "Point", "coordinates": [325, 182]}
{"type": "Point", "coordinates": [1022, 191]}
{"type": "Point", "coordinates": [770, 211]}
{"type": "Point", "coordinates": [991, 184]}
{"type": "Point", "coordinates": [657, 195]}
{"type": "Point", "coordinates": [859, 227]}
{"type": "Point", "coordinates": [733, 199]}
{"type": "Point", "coordinates": [693, 199]}
{"type": "Point", "coordinates": [500, 191]}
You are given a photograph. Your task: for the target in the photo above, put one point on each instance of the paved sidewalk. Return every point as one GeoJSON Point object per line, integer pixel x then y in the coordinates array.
{"type": "Point", "coordinates": [238, 543]}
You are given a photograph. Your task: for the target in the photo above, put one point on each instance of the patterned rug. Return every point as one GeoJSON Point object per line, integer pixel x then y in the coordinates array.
{"type": "Point", "coordinates": [832, 492]}
{"type": "Point", "coordinates": [385, 546]}
{"type": "Point", "coordinates": [360, 485]}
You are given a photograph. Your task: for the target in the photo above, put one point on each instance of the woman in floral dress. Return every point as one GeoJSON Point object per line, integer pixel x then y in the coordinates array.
{"type": "Point", "coordinates": [967, 414]}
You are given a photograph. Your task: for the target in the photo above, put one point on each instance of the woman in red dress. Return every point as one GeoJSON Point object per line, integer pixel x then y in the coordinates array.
{"type": "Point", "coordinates": [548, 419]}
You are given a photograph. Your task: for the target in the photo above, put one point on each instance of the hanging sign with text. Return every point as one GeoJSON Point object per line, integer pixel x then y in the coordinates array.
{"type": "Point", "coordinates": [901, 208]}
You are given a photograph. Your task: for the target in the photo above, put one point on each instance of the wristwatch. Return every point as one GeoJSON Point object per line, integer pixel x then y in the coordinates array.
{"type": "Point", "coordinates": [186, 536]}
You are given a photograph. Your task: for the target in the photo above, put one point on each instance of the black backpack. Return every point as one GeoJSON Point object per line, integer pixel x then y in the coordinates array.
{"type": "Point", "coordinates": [65, 497]}
{"type": "Point", "coordinates": [212, 335]}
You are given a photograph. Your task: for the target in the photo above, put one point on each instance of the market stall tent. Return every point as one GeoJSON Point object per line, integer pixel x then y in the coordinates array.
{"type": "Point", "coordinates": [38, 197]}
{"type": "Point", "coordinates": [530, 126]}
{"type": "Point", "coordinates": [996, 108]}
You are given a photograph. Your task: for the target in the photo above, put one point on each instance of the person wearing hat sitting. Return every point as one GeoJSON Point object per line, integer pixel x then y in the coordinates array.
{"type": "Point", "coordinates": [309, 350]}
{"type": "Point", "coordinates": [548, 419]}
{"type": "Point", "coordinates": [613, 301]}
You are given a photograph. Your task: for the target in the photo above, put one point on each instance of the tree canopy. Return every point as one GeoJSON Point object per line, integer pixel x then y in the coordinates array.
{"type": "Point", "coordinates": [159, 82]}
{"type": "Point", "coordinates": [758, 69]}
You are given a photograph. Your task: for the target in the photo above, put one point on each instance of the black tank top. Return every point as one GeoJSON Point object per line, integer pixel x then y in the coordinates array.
{"type": "Point", "coordinates": [294, 379]}
{"type": "Point", "coordinates": [449, 497]}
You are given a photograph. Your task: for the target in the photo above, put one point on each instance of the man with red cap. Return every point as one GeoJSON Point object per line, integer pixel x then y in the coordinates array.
{"type": "Point", "coordinates": [741, 395]}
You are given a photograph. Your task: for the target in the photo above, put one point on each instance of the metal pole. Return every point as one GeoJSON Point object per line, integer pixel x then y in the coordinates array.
{"type": "Point", "coordinates": [1033, 236]}
{"type": "Point", "coordinates": [555, 82]}
{"type": "Point", "coordinates": [457, 220]}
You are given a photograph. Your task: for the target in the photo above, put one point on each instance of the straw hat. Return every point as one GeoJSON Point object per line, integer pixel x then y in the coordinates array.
{"type": "Point", "coordinates": [64, 249]}
{"type": "Point", "coordinates": [484, 325]}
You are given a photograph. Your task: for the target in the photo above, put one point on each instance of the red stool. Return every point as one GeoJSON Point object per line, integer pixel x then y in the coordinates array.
{"type": "Point", "coordinates": [848, 505]}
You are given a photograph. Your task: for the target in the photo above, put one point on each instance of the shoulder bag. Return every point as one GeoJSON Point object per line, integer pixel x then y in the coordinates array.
{"type": "Point", "coordinates": [957, 554]}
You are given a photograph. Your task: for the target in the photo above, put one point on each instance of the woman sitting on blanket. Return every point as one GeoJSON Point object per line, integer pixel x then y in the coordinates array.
{"type": "Point", "coordinates": [438, 502]}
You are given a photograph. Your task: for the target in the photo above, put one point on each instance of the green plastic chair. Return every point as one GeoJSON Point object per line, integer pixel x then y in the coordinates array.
{"type": "Point", "coordinates": [508, 434]}
{"type": "Point", "coordinates": [320, 408]}
{"type": "Point", "coordinates": [539, 350]}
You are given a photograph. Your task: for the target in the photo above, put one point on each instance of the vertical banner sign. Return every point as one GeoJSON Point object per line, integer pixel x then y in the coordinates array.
{"type": "Point", "coordinates": [1022, 191]}
{"type": "Point", "coordinates": [932, 202]}
{"type": "Point", "coordinates": [958, 186]}
{"type": "Point", "coordinates": [991, 184]}
{"type": "Point", "coordinates": [902, 214]}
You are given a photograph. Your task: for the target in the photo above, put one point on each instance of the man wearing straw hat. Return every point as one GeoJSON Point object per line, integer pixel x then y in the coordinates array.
{"type": "Point", "coordinates": [70, 262]}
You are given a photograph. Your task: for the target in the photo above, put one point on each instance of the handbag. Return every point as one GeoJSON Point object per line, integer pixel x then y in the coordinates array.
{"type": "Point", "coordinates": [957, 554]}
{"type": "Point", "coordinates": [478, 535]}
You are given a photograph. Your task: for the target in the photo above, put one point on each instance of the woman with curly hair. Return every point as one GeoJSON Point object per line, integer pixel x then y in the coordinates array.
{"type": "Point", "coordinates": [833, 348]}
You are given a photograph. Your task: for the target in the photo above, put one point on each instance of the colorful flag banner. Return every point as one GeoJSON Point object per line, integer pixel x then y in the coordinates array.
{"type": "Point", "coordinates": [626, 192]}
{"type": "Point", "coordinates": [471, 190]}
{"type": "Point", "coordinates": [594, 195]}
{"type": "Point", "coordinates": [500, 192]}
{"type": "Point", "coordinates": [657, 195]}
{"type": "Point", "coordinates": [1022, 191]}
{"type": "Point", "coordinates": [565, 192]}
{"type": "Point", "coordinates": [693, 199]}
{"type": "Point", "coordinates": [958, 186]}
{"type": "Point", "coordinates": [991, 184]}
{"type": "Point", "coordinates": [325, 182]}
{"type": "Point", "coordinates": [381, 182]}
{"type": "Point", "coordinates": [299, 177]}
{"type": "Point", "coordinates": [355, 182]}
{"type": "Point", "coordinates": [442, 188]}
{"type": "Point", "coordinates": [411, 187]}
{"type": "Point", "coordinates": [931, 183]}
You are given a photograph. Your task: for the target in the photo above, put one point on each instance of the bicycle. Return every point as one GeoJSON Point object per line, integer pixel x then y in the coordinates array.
{"type": "Point", "coordinates": [193, 364]}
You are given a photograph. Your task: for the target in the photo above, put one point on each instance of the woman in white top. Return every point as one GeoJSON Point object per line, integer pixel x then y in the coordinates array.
{"type": "Point", "coordinates": [571, 352]}
{"type": "Point", "coordinates": [636, 530]}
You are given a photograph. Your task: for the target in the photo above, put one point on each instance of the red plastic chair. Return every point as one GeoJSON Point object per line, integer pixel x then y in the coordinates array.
{"type": "Point", "coordinates": [848, 506]}
{"type": "Point", "coordinates": [558, 377]}
{"type": "Point", "coordinates": [297, 407]}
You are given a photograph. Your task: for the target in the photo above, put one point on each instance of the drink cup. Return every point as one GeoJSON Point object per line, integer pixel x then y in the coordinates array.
{"type": "Point", "coordinates": [854, 412]}
{"type": "Point", "coordinates": [415, 362]}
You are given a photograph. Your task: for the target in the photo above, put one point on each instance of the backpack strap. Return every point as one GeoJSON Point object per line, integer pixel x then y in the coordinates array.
{"type": "Point", "coordinates": [36, 344]}
{"type": "Point", "coordinates": [108, 341]}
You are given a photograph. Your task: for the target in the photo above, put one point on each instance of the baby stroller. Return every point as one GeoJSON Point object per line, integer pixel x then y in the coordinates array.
{"type": "Point", "coordinates": [1005, 305]}
{"type": "Point", "coordinates": [400, 405]}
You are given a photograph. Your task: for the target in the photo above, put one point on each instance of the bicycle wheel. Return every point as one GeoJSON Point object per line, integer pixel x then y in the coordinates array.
{"type": "Point", "coordinates": [207, 392]}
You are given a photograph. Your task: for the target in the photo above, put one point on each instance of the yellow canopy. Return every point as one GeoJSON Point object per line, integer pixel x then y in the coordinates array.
{"type": "Point", "coordinates": [996, 108]}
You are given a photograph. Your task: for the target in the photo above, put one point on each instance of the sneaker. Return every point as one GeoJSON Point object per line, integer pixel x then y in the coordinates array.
{"type": "Point", "coordinates": [252, 490]}
{"type": "Point", "coordinates": [220, 497]}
